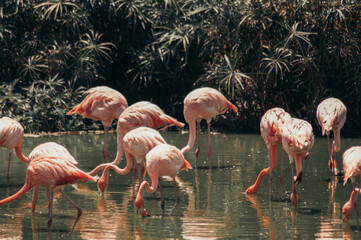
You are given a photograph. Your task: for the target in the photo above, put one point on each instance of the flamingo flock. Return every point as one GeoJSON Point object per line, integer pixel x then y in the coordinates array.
{"type": "Point", "coordinates": [52, 166]}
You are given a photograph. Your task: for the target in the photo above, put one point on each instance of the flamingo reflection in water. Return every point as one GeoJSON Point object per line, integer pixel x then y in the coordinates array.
{"type": "Point", "coordinates": [111, 217]}
{"type": "Point", "coordinates": [267, 222]}
{"type": "Point", "coordinates": [198, 223]}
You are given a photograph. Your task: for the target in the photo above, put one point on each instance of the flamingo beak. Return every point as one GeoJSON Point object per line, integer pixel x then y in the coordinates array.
{"type": "Point", "coordinates": [298, 180]}
{"type": "Point", "coordinates": [143, 212]}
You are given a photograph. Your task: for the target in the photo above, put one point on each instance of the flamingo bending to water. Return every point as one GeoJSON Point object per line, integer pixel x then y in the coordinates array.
{"type": "Point", "coordinates": [139, 114]}
{"type": "Point", "coordinates": [203, 103]}
{"type": "Point", "coordinates": [331, 115]}
{"type": "Point", "coordinates": [51, 172]}
{"type": "Point", "coordinates": [297, 140]}
{"type": "Point", "coordinates": [350, 205]}
{"type": "Point", "coordinates": [101, 104]}
{"type": "Point", "coordinates": [162, 160]}
{"type": "Point", "coordinates": [49, 149]}
{"type": "Point", "coordinates": [352, 169]}
{"type": "Point", "coordinates": [271, 126]}
{"type": "Point", "coordinates": [137, 142]}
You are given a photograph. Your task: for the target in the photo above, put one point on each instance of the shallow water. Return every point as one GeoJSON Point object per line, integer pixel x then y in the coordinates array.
{"type": "Point", "coordinates": [214, 204]}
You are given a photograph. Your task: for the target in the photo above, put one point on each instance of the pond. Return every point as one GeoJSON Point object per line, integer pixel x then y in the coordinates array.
{"type": "Point", "coordinates": [213, 200]}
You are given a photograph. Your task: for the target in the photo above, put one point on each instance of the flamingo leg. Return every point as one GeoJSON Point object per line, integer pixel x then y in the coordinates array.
{"type": "Point", "coordinates": [334, 169]}
{"type": "Point", "coordinates": [281, 174]}
{"type": "Point", "coordinates": [272, 164]}
{"type": "Point", "coordinates": [329, 154]}
{"type": "Point", "coordinates": [270, 175]}
{"type": "Point", "coordinates": [8, 172]}
{"type": "Point", "coordinates": [105, 152]}
{"type": "Point", "coordinates": [356, 209]}
{"type": "Point", "coordinates": [134, 173]}
{"type": "Point", "coordinates": [141, 171]}
{"type": "Point", "coordinates": [209, 142]}
{"type": "Point", "coordinates": [35, 198]}
{"type": "Point", "coordinates": [198, 139]}
{"type": "Point", "coordinates": [332, 165]}
{"type": "Point", "coordinates": [50, 206]}
{"type": "Point", "coordinates": [178, 197]}
{"type": "Point", "coordinates": [294, 197]}
{"type": "Point", "coordinates": [75, 205]}
{"type": "Point", "coordinates": [162, 204]}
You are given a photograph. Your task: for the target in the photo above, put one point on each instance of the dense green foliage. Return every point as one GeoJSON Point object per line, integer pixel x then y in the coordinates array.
{"type": "Point", "coordinates": [260, 54]}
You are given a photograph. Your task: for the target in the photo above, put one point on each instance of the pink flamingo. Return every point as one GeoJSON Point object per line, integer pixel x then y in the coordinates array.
{"type": "Point", "coordinates": [139, 114]}
{"type": "Point", "coordinates": [331, 115]}
{"type": "Point", "coordinates": [11, 137]}
{"type": "Point", "coordinates": [271, 126]}
{"type": "Point", "coordinates": [352, 169]}
{"type": "Point", "coordinates": [101, 104]}
{"type": "Point", "coordinates": [203, 103]}
{"type": "Point", "coordinates": [49, 149]}
{"type": "Point", "coordinates": [350, 205]}
{"type": "Point", "coordinates": [51, 172]}
{"type": "Point", "coordinates": [162, 160]}
{"type": "Point", "coordinates": [297, 140]}
{"type": "Point", "coordinates": [137, 142]}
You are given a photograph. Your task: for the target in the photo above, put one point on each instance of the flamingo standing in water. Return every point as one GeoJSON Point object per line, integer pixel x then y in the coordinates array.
{"type": "Point", "coordinates": [297, 140]}
{"type": "Point", "coordinates": [271, 126]}
{"type": "Point", "coordinates": [162, 160]}
{"type": "Point", "coordinates": [137, 142]}
{"type": "Point", "coordinates": [352, 169]}
{"type": "Point", "coordinates": [139, 114]}
{"type": "Point", "coordinates": [203, 103]}
{"type": "Point", "coordinates": [49, 149]}
{"type": "Point", "coordinates": [101, 104]}
{"type": "Point", "coordinates": [51, 172]}
{"type": "Point", "coordinates": [11, 137]}
{"type": "Point", "coordinates": [331, 115]}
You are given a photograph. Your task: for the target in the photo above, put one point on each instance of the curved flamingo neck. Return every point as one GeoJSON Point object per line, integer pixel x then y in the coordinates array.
{"type": "Point", "coordinates": [20, 155]}
{"type": "Point", "coordinates": [348, 207]}
{"type": "Point", "coordinates": [298, 161]}
{"type": "Point", "coordinates": [117, 159]}
{"type": "Point", "coordinates": [148, 188]}
{"type": "Point", "coordinates": [273, 150]}
{"type": "Point", "coordinates": [27, 186]}
{"type": "Point", "coordinates": [337, 136]}
{"type": "Point", "coordinates": [192, 137]}
{"type": "Point", "coordinates": [103, 181]}
{"type": "Point", "coordinates": [354, 193]}
{"type": "Point", "coordinates": [119, 155]}
{"type": "Point", "coordinates": [119, 170]}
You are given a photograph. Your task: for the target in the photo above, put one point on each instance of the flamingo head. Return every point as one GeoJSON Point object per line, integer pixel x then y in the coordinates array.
{"type": "Point", "coordinates": [102, 184]}
{"type": "Point", "coordinates": [139, 203]}
{"type": "Point", "coordinates": [347, 210]}
{"type": "Point", "coordinates": [298, 179]}
{"type": "Point", "coordinates": [326, 126]}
